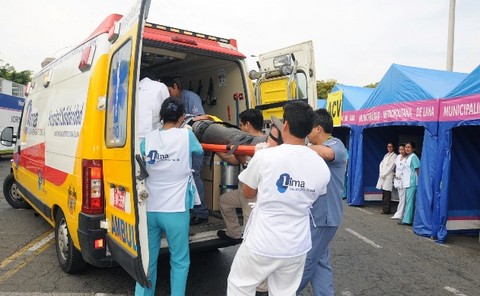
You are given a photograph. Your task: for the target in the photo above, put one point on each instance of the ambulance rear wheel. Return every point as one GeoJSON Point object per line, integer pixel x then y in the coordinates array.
{"type": "Point", "coordinates": [11, 194]}
{"type": "Point", "coordinates": [70, 259]}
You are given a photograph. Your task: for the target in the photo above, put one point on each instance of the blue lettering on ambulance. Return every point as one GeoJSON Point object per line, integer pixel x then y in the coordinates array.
{"type": "Point", "coordinates": [124, 231]}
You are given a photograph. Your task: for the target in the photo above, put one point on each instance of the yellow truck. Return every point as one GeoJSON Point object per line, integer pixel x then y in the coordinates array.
{"type": "Point", "coordinates": [76, 150]}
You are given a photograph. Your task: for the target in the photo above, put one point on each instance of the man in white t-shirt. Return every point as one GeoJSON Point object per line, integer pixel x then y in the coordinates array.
{"type": "Point", "coordinates": [151, 94]}
{"type": "Point", "coordinates": [287, 180]}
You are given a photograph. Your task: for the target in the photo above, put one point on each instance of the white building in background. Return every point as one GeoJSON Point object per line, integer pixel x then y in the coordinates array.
{"type": "Point", "coordinates": [12, 100]}
{"type": "Point", "coordinates": [12, 88]}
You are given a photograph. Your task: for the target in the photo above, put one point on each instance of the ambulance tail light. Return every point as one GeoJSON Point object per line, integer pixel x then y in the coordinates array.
{"type": "Point", "coordinates": [99, 243]}
{"type": "Point", "coordinates": [92, 195]}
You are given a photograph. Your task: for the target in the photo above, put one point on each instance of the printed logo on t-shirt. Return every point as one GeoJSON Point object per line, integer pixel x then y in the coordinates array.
{"type": "Point", "coordinates": [285, 181]}
{"type": "Point", "coordinates": [153, 157]}
{"type": "Point", "coordinates": [195, 110]}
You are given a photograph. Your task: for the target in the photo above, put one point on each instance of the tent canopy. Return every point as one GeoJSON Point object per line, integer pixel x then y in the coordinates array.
{"type": "Point", "coordinates": [353, 96]}
{"type": "Point", "coordinates": [469, 85]}
{"type": "Point", "coordinates": [407, 84]}
{"type": "Point", "coordinates": [321, 103]}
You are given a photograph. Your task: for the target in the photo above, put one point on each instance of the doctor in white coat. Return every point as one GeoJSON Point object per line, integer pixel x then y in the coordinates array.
{"type": "Point", "coordinates": [385, 178]}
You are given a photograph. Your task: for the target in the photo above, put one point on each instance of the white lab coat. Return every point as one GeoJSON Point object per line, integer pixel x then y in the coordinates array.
{"type": "Point", "coordinates": [387, 166]}
{"type": "Point", "coordinates": [151, 95]}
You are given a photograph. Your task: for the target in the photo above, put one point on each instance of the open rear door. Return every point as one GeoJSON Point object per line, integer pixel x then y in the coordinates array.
{"type": "Point", "coordinates": [285, 74]}
{"type": "Point", "coordinates": [125, 212]}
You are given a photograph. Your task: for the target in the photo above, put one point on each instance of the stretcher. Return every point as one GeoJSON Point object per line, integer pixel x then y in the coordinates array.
{"type": "Point", "coordinates": [222, 148]}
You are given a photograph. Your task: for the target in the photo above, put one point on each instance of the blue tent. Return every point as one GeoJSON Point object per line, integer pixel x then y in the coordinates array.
{"type": "Point", "coordinates": [457, 186]}
{"type": "Point", "coordinates": [353, 99]}
{"type": "Point", "coordinates": [353, 96]}
{"type": "Point", "coordinates": [321, 103]}
{"type": "Point", "coordinates": [403, 107]}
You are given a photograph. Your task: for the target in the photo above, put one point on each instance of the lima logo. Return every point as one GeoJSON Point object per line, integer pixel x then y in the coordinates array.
{"type": "Point", "coordinates": [285, 181]}
{"type": "Point", "coordinates": [28, 110]}
{"type": "Point", "coordinates": [31, 117]}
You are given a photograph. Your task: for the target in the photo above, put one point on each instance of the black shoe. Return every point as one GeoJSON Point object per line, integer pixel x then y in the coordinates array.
{"type": "Point", "coordinates": [223, 235]}
{"type": "Point", "coordinates": [196, 220]}
{"type": "Point", "coordinates": [406, 224]}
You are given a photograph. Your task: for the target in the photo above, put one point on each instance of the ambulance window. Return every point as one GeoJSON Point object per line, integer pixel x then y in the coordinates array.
{"type": "Point", "coordinates": [117, 101]}
{"type": "Point", "coordinates": [301, 85]}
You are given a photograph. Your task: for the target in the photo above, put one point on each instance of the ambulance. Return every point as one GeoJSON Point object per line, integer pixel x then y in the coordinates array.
{"type": "Point", "coordinates": [10, 111]}
{"type": "Point", "coordinates": [77, 158]}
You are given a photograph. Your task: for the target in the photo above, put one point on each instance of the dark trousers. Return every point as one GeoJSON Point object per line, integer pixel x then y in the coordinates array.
{"type": "Point", "coordinates": [386, 201]}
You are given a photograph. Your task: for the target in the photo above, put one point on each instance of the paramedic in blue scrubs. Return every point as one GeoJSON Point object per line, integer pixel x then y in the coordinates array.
{"type": "Point", "coordinates": [193, 106]}
{"type": "Point", "coordinates": [327, 211]}
{"type": "Point", "coordinates": [413, 167]}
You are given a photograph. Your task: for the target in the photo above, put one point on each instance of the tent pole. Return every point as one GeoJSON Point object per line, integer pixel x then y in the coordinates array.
{"type": "Point", "coordinates": [451, 33]}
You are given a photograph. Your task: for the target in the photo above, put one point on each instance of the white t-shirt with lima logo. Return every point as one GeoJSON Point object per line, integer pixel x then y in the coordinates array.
{"type": "Point", "coordinates": [289, 179]}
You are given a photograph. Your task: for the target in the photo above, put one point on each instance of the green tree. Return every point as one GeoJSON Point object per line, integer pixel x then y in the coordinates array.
{"type": "Point", "coordinates": [324, 87]}
{"type": "Point", "coordinates": [372, 85]}
{"type": "Point", "coordinates": [8, 72]}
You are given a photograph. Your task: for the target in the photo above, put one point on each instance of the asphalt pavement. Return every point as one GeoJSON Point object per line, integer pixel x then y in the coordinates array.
{"type": "Point", "coordinates": [371, 255]}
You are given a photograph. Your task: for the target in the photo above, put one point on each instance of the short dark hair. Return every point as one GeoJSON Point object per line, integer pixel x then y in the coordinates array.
{"type": "Point", "coordinates": [324, 119]}
{"type": "Point", "coordinates": [401, 145]}
{"type": "Point", "coordinates": [172, 109]}
{"type": "Point", "coordinates": [150, 74]}
{"type": "Point", "coordinates": [254, 116]}
{"type": "Point", "coordinates": [299, 116]}
{"type": "Point", "coordinates": [169, 81]}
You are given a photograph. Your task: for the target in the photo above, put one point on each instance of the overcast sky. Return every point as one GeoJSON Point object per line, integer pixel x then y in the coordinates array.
{"type": "Point", "coordinates": [355, 41]}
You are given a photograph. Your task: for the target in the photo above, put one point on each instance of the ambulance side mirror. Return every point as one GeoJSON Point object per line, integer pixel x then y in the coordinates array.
{"type": "Point", "coordinates": [7, 137]}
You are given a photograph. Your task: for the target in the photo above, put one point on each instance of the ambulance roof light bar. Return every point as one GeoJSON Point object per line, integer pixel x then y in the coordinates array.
{"type": "Point", "coordinates": [232, 42]}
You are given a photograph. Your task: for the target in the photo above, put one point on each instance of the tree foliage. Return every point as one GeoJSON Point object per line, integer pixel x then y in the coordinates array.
{"type": "Point", "coordinates": [372, 85]}
{"type": "Point", "coordinates": [325, 87]}
{"type": "Point", "coordinates": [8, 72]}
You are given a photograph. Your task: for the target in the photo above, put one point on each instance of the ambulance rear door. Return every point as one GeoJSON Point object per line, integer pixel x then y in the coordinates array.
{"type": "Point", "coordinates": [126, 222]}
{"type": "Point", "coordinates": [285, 74]}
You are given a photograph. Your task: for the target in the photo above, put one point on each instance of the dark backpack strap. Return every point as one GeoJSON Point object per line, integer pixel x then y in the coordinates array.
{"type": "Point", "coordinates": [245, 139]}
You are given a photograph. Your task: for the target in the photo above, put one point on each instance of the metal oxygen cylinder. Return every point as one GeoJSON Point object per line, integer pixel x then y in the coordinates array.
{"type": "Point", "coordinates": [229, 176]}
